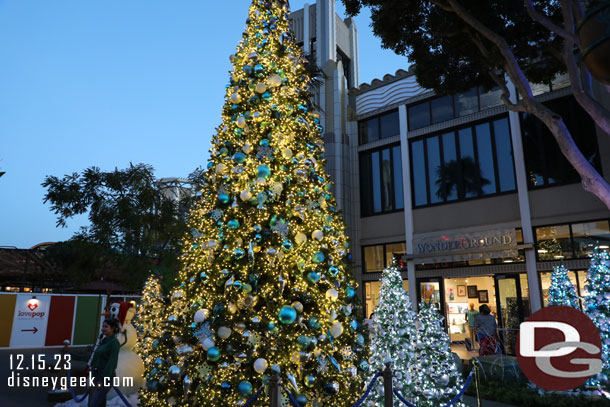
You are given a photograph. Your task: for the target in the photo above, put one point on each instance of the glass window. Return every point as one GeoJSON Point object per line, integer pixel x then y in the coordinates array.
{"type": "Point", "coordinates": [371, 295]}
{"type": "Point", "coordinates": [369, 130]}
{"type": "Point", "coordinates": [386, 180]}
{"type": "Point", "coordinates": [582, 280]}
{"type": "Point", "coordinates": [486, 159]}
{"type": "Point", "coordinates": [395, 250]}
{"type": "Point", "coordinates": [470, 172]}
{"type": "Point", "coordinates": [504, 154]}
{"type": "Point", "coordinates": [376, 180]}
{"type": "Point", "coordinates": [419, 116]}
{"type": "Point", "coordinates": [373, 259]}
{"type": "Point", "coordinates": [588, 235]}
{"type": "Point", "coordinates": [545, 163]}
{"type": "Point", "coordinates": [545, 284]}
{"type": "Point", "coordinates": [390, 125]}
{"type": "Point", "coordinates": [434, 169]}
{"type": "Point", "coordinates": [491, 98]}
{"type": "Point", "coordinates": [398, 189]}
{"type": "Point", "coordinates": [450, 170]}
{"type": "Point", "coordinates": [419, 172]}
{"type": "Point", "coordinates": [467, 103]}
{"type": "Point", "coordinates": [553, 242]}
{"type": "Point", "coordinates": [366, 184]}
{"type": "Point", "coordinates": [442, 109]}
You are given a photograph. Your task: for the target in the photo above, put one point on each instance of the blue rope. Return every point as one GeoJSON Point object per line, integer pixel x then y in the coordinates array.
{"type": "Point", "coordinates": [254, 397]}
{"type": "Point", "coordinates": [122, 396]}
{"type": "Point", "coordinates": [454, 400]}
{"type": "Point", "coordinates": [72, 390]}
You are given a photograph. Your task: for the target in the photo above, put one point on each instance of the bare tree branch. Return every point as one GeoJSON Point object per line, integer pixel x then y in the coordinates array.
{"type": "Point", "coordinates": [548, 24]}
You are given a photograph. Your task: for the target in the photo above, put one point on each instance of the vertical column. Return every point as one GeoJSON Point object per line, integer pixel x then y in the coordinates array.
{"type": "Point", "coordinates": [355, 62]}
{"type": "Point", "coordinates": [306, 39]}
{"type": "Point", "coordinates": [408, 210]}
{"type": "Point", "coordinates": [533, 281]}
{"type": "Point", "coordinates": [338, 79]}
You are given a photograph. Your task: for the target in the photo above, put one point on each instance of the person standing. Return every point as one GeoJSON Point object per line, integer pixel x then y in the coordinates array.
{"type": "Point", "coordinates": [486, 329]}
{"type": "Point", "coordinates": [104, 362]}
{"type": "Point", "coordinates": [470, 317]}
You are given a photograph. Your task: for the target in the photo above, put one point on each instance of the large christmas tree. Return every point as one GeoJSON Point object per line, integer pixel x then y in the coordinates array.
{"type": "Point", "coordinates": [393, 338]}
{"type": "Point", "coordinates": [264, 286]}
{"type": "Point", "coordinates": [437, 380]}
{"type": "Point", "coordinates": [562, 291]}
{"type": "Point", "coordinates": [597, 306]}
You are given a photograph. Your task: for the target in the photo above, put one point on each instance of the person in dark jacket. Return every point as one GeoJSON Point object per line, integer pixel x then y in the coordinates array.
{"type": "Point", "coordinates": [486, 328]}
{"type": "Point", "coordinates": [104, 362]}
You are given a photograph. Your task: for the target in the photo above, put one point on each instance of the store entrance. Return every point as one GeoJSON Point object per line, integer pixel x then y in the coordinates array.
{"type": "Point", "coordinates": [512, 301]}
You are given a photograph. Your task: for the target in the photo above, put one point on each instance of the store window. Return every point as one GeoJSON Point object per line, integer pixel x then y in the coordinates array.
{"type": "Point", "coordinates": [379, 127]}
{"type": "Point", "coordinates": [371, 294]}
{"type": "Point", "coordinates": [464, 163]}
{"type": "Point", "coordinates": [568, 241]}
{"type": "Point", "coordinates": [545, 284]}
{"type": "Point", "coordinates": [378, 257]}
{"type": "Point", "coordinates": [381, 181]}
{"type": "Point", "coordinates": [544, 161]}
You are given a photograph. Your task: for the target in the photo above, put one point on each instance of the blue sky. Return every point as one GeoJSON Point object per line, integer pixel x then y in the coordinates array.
{"type": "Point", "coordinates": [106, 83]}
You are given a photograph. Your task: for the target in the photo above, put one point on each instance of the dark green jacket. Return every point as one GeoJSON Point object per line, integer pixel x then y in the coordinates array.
{"type": "Point", "coordinates": [105, 358]}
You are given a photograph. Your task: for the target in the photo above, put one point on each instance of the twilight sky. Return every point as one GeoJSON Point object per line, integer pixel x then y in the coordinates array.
{"type": "Point", "coordinates": [106, 83]}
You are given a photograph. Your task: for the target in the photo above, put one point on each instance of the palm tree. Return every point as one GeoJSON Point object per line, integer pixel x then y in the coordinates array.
{"type": "Point", "coordinates": [463, 175]}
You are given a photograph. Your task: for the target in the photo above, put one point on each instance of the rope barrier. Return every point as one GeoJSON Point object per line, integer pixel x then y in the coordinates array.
{"type": "Point", "coordinates": [454, 400]}
{"type": "Point", "coordinates": [122, 397]}
{"type": "Point", "coordinates": [72, 390]}
{"type": "Point", "coordinates": [253, 398]}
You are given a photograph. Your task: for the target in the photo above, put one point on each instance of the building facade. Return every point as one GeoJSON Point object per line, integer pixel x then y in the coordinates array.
{"type": "Point", "coordinates": [476, 203]}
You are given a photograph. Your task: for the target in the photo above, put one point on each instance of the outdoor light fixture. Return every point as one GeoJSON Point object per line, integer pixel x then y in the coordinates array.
{"type": "Point", "coordinates": [543, 251]}
{"type": "Point", "coordinates": [604, 247]}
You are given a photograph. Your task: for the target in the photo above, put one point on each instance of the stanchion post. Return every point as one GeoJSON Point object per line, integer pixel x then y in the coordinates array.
{"type": "Point", "coordinates": [475, 366]}
{"type": "Point", "coordinates": [387, 386]}
{"type": "Point", "coordinates": [275, 399]}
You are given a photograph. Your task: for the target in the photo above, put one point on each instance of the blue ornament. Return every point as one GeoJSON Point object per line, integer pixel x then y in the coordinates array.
{"type": "Point", "coordinates": [233, 224]}
{"type": "Point", "coordinates": [313, 277]}
{"type": "Point", "coordinates": [238, 132]}
{"type": "Point", "coordinates": [225, 385]}
{"type": "Point", "coordinates": [287, 246]}
{"type": "Point", "coordinates": [334, 362]}
{"type": "Point", "coordinates": [239, 157]}
{"type": "Point", "coordinates": [310, 380]}
{"type": "Point", "coordinates": [272, 328]}
{"type": "Point", "coordinates": [259, 69]}
{"type": "Point", "coordinates": [318, 257]}
{"type": "Point", "coordinates": [354, 324]}
{"type": "Point", "coordinates": [213, 354]}
{"type": "Point", "coordinates": [364, 365]}
{"type": "Point", "coordinates": [333, 270]}
{"type": "Point", "coordinates": [224, 198]}
{"type": "Point", "coordinates": [313, 323]}
{"type": "Point", "coordinates": [304, 341]}
{"type": "Point", "coordinates": [350, 292]}
{"type": "Point", "coordinates": [360, 339]}
{"type": "Point", "coordinates": [302, 400]}
{"type": "Point", "coordinates": [266, 96]}
{"type": "Point", "coordinates": [244, 388]}
{"type": "Point", "coordinates": [247, 70]}
{"type": "Point", "coordinates": [287, 314]}
{"type": "Point", "coordinates": [331, 388]}
{"type": "Point", "coordinates": [238, 254]}
{"type": "Point", "coordinates": [263, 171]}
{"type": "Point", "coordinates": [193, 325]}
{"type": "Point", "coordinates": [203, 277]}
{"type": "Point", "coordinates": [264, 142]}
{"type": "Point", "coordinates": [210, 165]}
{"type": "Point", "coordinates": [152, 385]}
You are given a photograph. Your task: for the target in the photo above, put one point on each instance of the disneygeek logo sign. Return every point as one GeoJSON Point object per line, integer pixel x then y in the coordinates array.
{"type": "Point", "coordinates": [559, 348]}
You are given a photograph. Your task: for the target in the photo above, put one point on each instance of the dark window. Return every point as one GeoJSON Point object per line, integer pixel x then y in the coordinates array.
{"type": "Point", "coordinates": [545, 164]}
{"type": "Point", "coordinates": [464, 163]}
{"type": "Point", "coordinates": [381, 181]}
{"type": "Point", "coordinates": [442, 109]}
{"type": "Point", "coordinates": [379, 127]}
{"type": "Point", "coordinates": [378, 257]}
{"type": "Point", "coordinates": [419, 116]}
{"type": "Point", "coordinates": [491, 98]}
{"type": "Point", "coordinates": [576, 240]}
{"type": "Point", "coordinates": [467, 103]}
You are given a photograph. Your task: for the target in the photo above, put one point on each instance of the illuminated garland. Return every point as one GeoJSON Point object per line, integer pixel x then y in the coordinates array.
{"type": "Point", "coordinates": [265, 286]}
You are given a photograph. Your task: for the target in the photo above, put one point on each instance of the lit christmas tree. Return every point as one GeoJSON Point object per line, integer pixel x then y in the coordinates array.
{"type": "Point", "coordinates": [393, 337]}
{"type": "Point", "coordinates": [437, 379]}
{"type": "Point", "coordinates": [264, 286]}
{"type": "Point", "coordinates": [597, 306]}
{"type": "Point", "coordinates": [562, 291]}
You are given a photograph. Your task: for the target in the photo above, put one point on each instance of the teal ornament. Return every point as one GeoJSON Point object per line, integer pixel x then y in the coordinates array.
{"type": "Point", "coordinates": [360, 339]}
{"type": "Point", "coordinates": [193, 325]}
{"type": "Point", "coordinates": [287, 246]}
{"type": "Point", "coordinates": [304, 341]}
{"type": "Point", "coordinates": [264, 142]}
{"type": "Point", "coordinates": [331, 388]}
{"type": "Point", "coordinates": [263, 171]}
{"type": "Point", "coordinates": [272, 328]}
{"type": "Point", "coordinates": [233, 224]}
{"type": "Point", "coordinates": [354, 324]}
{"type": "Point", "coordinates": [213, 354]}
{"type": "Point", "coordinates": [258, 238]}
{"type": "Point", "coordinates": [152, 385]}
{"type": "Point", "coordinates": [210, 165]}
{"type": "Point", "coordinates": [302, 400]}
{"type": "Point", "coordinates": [244, 388]}
{"type": "Point", "coordinates": [203, 277]}
{"type": "Point", "coordinates": [287, 314]}
{"type": "Point", "coordinates": [225, 386]}
{"type": "Point", "coordinates": [259, 69]}
{"type": "Point", "coordinates": [158, 362]}
{"type": "Point", "coordinates": [261, 198]}
{"type": "Point", "coordinates": [273, 221]}
{"type": "Point", "coordinates": [247, 70]}
{"type": "Point", "coordinates": [334, 362]}
{"type": "Point", "coordinates": [238, 132]}
{"type": "Point", "coordinates": [313, 277]}
{"type": "Point", "coordinates": [237, 284]}
{"type": "Point", "coordinates": [239, 157]}
{"type": "Point", "coordinates": [364, 365]}
{"type": "Point", "coordinates": [223, 151]}
{"type": "Point", "coordinates": [318, 257]}
{"type": "Point", "coordinates": [155, 343]}
{"type": "Point", "coordinates": [350, 292]}
{"type": "Point", "coordinates": [313, 323]}
{"type": "Point", "coordinates": [266, 96]}
{"type": "Point", "coordinates": [310, 381]}
{"type": "Point", "coordinates": [333, 270]}
{"type": "Point", "coordinates": [224, 198]}
{"type": "Point", "coordinates": [238, 254]}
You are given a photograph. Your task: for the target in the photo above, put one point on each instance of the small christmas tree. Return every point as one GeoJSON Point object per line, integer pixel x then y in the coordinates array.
{"type": "Point", "coordinates": [437, 380]}
{"type": "Point", "coordinates": [562, 291]}
{"type": "Point", "coordinates": [597, 306]}
{"type": "Point", "coordinates": [393, 337]}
